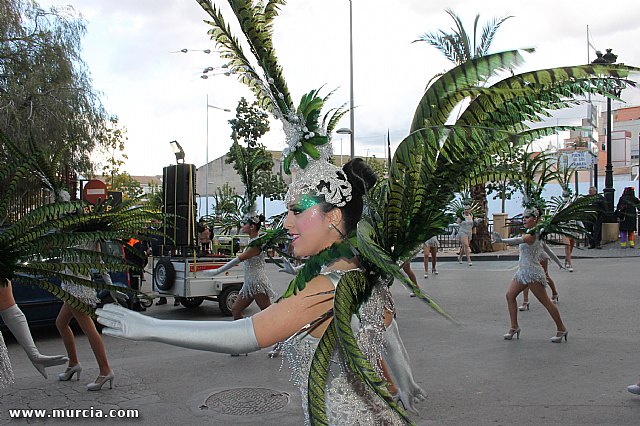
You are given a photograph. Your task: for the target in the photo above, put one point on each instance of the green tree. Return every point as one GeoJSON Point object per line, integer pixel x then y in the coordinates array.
{"type": "Point", "coordinates": [123, 182]}
{"type": "Point", "coordinates": [456, 45]}
{"type": "Point", "coordinates": [112, 146]}
{"type": "Point", "coordinates": [270, 185]}
{"type": "Point", "coordinates": [378, 166]}
{"type": "Point", "coordinates": [47, 98]}
{"type": "Point", "coordinates": [504, 172]}
{"type": "Point", "coordinates": [251, 158]}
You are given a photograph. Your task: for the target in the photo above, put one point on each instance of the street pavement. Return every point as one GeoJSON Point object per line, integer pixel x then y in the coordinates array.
{"type": "Point", "coordinates": [472, 376]}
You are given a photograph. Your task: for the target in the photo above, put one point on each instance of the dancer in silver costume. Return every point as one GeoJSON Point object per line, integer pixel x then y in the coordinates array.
{"type": "Point", "coordinates": [530, 274]}
{"type": "Point", "coordinates": [16, 322]}
{"type": "Point", "coordinates": [256, 284]}
{"type": "Point", "coordinates": [87, 296]}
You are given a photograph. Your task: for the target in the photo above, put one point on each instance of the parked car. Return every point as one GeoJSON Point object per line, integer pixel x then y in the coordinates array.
{"type": "Point", "coordinates": [41, 307]}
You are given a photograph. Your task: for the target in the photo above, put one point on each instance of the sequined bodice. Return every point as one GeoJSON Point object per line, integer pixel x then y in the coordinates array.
{"type": "Point", "coordinates": [254, 268]}
{"type": "Point", "coordinates": [348, 400]}
{"type": "Point", "coordinates": [529, 268]}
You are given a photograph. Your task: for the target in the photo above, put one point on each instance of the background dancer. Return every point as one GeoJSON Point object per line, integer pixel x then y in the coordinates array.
{"type": "Point", "coordinates": [16, 322]}
{"type": "Point", "coordinates": [530, 274]}
{"type": "Point", "coordinates": [256, 284]}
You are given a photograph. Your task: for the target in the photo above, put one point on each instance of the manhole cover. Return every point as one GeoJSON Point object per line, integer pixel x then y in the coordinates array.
{"type": "Point", "coordinates": [247, 401]}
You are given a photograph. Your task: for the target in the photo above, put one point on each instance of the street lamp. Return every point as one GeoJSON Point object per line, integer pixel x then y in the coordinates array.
{"type": "Point", "coordinates": [351, 106]}
{"type": "Point", "coordinates": [206, 189]}
{"type": "Point", "coordinates": [608, 191]}
{"type": "Point", "coordinates": [178, 151]}
{"type": "Point", "coordinates": [346, 131]}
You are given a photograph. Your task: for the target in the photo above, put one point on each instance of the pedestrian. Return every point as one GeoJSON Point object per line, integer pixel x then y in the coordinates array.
{"type": "Point", "coordinates": [204, 237]}
{"type": "Point", "coordinates": [86, 295]}
{"type": "Point", "coordinates": [627, 214]}
{"type": "Point", "coordinates": [136, 255]}
{"type": "Point", "coordinates": [410, 274]}
{"type": "Point", "coordinates": [430, 248]}
{"type": "Point", "coordinates": [16, 322]}
{"type": "Point", "coordinates": [595, 227]}
{"type": "Point", "coordinates": [465, 233]}
{"type": "Point", "coordinates": [530, 274]}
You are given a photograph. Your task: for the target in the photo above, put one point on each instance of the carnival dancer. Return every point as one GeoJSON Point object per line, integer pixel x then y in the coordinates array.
{"type": "Point", "coordinates": [544, 262]}
{"type": "Point", "coordinates": [465, 233]}
{"type": "Point", "coordinates": [530, 274]}
{"type": "Point", "coordinates": [86, 295]}
{"type": "Point", "coordinates": [16, 322]}
{"type": "Point", "coordinates": [256, 284]}
{"type": "Point", "coordinates": [430, 248]}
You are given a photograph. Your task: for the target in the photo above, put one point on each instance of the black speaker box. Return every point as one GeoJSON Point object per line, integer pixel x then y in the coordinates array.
{"type": "Point", "coordinates": [181, 225]}
{"type": "Point", "coordinates": [179, 184]}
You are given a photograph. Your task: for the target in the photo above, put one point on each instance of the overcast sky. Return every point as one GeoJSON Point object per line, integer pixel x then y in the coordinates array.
{"type": "Point", "coordinates": [159, 96]}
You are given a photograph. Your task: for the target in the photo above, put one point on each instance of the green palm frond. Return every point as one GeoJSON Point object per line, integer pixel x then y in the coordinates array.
{"type": "Point", "coordinates": [318, 373]}
{"type": "Point", "coordinates": [445, 93]}
{"type": "Point", "coordinates": [353, 289]}
{"type": "Point", "coordinates": [567, 217]}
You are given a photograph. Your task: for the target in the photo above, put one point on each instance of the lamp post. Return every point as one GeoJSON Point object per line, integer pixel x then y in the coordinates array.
{"type": "Point", "coordinates": [608, 191]}
{"type": "Point", "coordinates": [351, 106]}
{"type": "Point", "coordinates": [346, 131]}
{"type": "Point", "coordinates": [206, 180]}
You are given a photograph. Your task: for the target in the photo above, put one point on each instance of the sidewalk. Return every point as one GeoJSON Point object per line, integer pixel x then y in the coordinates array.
{"type": "Point", "coordinates": [609, 250]}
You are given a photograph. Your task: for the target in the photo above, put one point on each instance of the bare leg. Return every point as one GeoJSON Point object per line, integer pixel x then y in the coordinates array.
{"type": "Point", "coordinates": [95, 341]}
{"type": "Point", "coordinates": [467, 248]}
{"type": "Point", "coordinates": [552, 285]}
{"type": "Point", "coordinates": [407, 269]}
{"type": "Point", "coordinates": [68, 339]}
{"type": "Point", "coordinates": [514, 289]}
{"type": "Point", "coordinates": [262, 300]}
{"type": "Point", "coordinates": [434, 260]}
{"type": "Point", "coordinates": [240, 305]}
{"type": "Point", "coordinates": [425, 254]}
{"type": "Point", "coordinates": [539, 291]}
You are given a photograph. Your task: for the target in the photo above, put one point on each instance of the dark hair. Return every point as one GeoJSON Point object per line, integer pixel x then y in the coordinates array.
{"type": "Point", "coordinates": [256, 221]}
{"type": "Point", "coordinates": [362, 178]}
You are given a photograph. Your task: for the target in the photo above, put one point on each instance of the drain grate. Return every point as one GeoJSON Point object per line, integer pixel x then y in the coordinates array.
{"type": "Point", "coordinates": [247, 401]}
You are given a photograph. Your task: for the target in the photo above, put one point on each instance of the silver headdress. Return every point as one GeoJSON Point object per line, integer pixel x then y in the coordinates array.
{"type": "Point", "coordinates": [307, 155]}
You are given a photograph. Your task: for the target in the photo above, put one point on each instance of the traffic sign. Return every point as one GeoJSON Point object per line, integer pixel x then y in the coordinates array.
{"type": "Point", "coordinates": [94, 190]}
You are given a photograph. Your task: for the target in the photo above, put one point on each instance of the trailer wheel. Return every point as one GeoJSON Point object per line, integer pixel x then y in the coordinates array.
{"type": "Point", "coordinates": [227, 298]}
{"type": "Point", "coordinates": [165, 275]}
{"type": "Point", "coordinates": [191, 302]}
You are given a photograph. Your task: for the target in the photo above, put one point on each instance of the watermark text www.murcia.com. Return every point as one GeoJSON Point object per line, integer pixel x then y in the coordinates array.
{"type": "Point", "coordinates": [71, 413]}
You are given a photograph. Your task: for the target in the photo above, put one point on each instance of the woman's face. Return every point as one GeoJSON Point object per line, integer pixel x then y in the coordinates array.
{"type": "Point", "coordinates": [529, 220]}
{"type": "Point", "coordinates": [309, 227]}
{"type": "Point", "coordinates": [246, 228]}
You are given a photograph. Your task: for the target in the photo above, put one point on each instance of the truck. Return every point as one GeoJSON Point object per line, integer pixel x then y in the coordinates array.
{"type": "Point", "coordinates": [178, 264]}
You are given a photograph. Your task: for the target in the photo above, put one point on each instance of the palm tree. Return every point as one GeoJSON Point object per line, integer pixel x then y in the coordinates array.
{"type": "Point", "coordinates": [456, 45]}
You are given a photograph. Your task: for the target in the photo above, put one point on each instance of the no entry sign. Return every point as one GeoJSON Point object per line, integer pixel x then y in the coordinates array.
{"type": "Point", "coordinates": [93, 190]}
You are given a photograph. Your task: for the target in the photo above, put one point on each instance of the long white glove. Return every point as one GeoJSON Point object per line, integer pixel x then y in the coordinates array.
{"type": "Point", "coordinates": [552, 255]}
{"type": "Point", "coordinates": [17, 324]}
{"type": "Point", "coordinates": [224, 268]}
{"type": "Point", "coordinates": [508, 241]}
{"type": "Point", "coordinates": [229, 337]}
{"type": "Point", "coordinates": [289, 268]}
{"type": "Point", "coordinates": [397, 359]}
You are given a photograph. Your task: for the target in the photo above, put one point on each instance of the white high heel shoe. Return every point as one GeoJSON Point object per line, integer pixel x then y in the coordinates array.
{"type": "Point", "coordinates": [69, 372]}
{"type": "Point", "coordinates": [100, 381]}
{"type": "Point", "coordinates": [524, 306]}
{"type": "Point", "coordinates": [512, 332]}
{"type": "Point", "coordinates": [559, 336]}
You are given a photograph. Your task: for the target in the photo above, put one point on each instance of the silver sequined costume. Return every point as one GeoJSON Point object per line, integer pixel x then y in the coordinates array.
{"type": "Point", "coordinates": [466, 228]}
{"type": "Point", "coordinates": [529, 268]}
{"type": "Point", "coordinates": [349, 401]}
{"type": "Point", "coordinates": [86, 294]}
{"type": "Point", "coordinates": [255, 277]}
{"type": "Point", "coordinates": [432, 242]}
{"type": "Point", "coordinates": [6, 372]}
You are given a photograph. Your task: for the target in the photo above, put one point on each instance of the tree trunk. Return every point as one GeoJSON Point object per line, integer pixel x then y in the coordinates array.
{"type": "Point", "coordinates": [481, 242]}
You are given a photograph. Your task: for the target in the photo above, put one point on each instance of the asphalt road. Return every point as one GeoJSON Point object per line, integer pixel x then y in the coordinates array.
{"type": "Point", "coordinates": [472, 375]}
